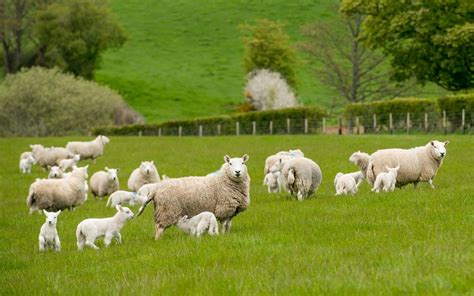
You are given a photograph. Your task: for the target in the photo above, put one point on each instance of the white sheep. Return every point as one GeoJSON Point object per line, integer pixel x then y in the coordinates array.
{"type": "Point", "coordinates": [122, 197]}
{"type": "Point", "coordinates": [300, 176]}
{"type": "Point", "coordinates": [198, 224]}
{"type": "Point", "coordinates": [48, 233]}
{"type": "Point", "coordinates": [26, 163]}
{"type": "Point", "coordinates": [90, 229]}
{"type": "Point", "coordinates": [345, 183]}
{"type": "Point", "coordinates": [386, 181]}
{"type": "Point", "coordinates": [283, 156]}
{"type": "Point", "coordinates": [89, 150]}
{"type": "Point", "coordinates": [104, 182]}
{"type": "Point", "coordinates": [272, 181]}
{"type": "Point", "coordinates": [69, 163]}
{"type": "Point", "coordinates": [25, 155]}
{"type": "Point", "coordinates": [146, 173]}
{"type": "Point", "coordinates": [55, 172]}
{"type": "Point", "coordinates": [49, 156]}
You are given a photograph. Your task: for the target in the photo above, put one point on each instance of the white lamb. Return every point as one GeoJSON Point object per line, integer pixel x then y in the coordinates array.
{"type": "Point", "coordinates": [145, 174]}
{"type": "Point", "coordinates": [198, 224]}
{"type": "Point", "coordinates": [272, 181]}
{"type": "Point", "coordinates": [104, 182]}
{"type": "Point", "coordinates": [345, 183]}
{"type": "Point", "coordinates": [90, 229]}
{"type": "Point", "coordinates": [49, 234]}
{"type": "Point", "coordinates": [386, 181]}
{"type": "Point", "coordinates": [69, 163]}
{"type": "Point", "coordinates": [89, 150]}
{"type": "Point", "coordinates": [122, 197]}
{"type": "Point", "coordinates": [26, 163]}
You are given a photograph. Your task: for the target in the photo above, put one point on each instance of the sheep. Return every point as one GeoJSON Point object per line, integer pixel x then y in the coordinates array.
{"type": "Point", "coordinates": [284, 155]}
{"type": "Point", "coordinates": [300, 176]}
{"type": "Point", "coordinates": [104, 182]}
{"type": "Point", "coordinates": [360, 159]}
{"type": "Point", "coordinates": [89, 150]}
{"type": "Point", "coordinates": [272, 181]}
{"type": "Point", "coordinates": [49, 156]}
{"type": "Point", "coordinates": [146, 173]}
{"type": "Point", "coordinates": [90, 229]}
{"type": "Point", "coordinates": [386, 181]}
{"type": "Point", "coordinates": [419, 164]}
{"type": "Point", "coordinates": [225, 194]}
{"type": "Point", "coordinates": [58, 194]}
{"type": "Point", "coordinates": [26, 163]}
{"type": "Point", "coordinates": [48, 232]}
{"type": "Point", "coordinates": [346, 183]}
{"type": "Point", "coordinates": [55, 172]}
{"type": "Point", "coordinates": [122, 197]}
{"type": "Point", "coordinates": [69, 163]}
{"type": "Point", "coordinates": [198, 224]}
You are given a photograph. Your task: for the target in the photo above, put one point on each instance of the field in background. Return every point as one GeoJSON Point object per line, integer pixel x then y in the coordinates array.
{"type": "Point", "coordinates": [410, 241]}
{"type": "Point", "coordinates": [184, 59]}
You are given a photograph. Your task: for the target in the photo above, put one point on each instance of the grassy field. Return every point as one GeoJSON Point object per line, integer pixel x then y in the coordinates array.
{"type": "Point", "coordinates": [410, 241]}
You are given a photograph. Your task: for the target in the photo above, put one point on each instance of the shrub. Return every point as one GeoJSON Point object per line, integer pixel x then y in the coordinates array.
{"type": "Point", "coordinates": [40, 102]}
{"type": "Point", "coordinates": [454, 104]}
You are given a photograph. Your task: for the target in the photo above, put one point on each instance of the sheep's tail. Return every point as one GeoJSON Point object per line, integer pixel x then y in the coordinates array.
{"type": "Point", "coordinates": [291, 176]}
{"type": "Point", "coordinates": [79, 235]}
{"type": "Point", "coordinates": [30, 200]}
{"type": "Point", "coordinates": [142, 208]}
{"type": "Point", "coordinates": [371, 174]}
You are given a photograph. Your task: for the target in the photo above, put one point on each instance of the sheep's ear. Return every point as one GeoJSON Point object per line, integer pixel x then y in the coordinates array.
{"type": "Point", "coordinates": [227, 158]}
{"type": "Point", "coordinates": [446, 143]}
{"type": "Point", "coordinates": [119, 208]}
{"type": "Point", "coordinates": [152, 162]}
{"type": "Point", "coordinates": [58, 212]}
{"type": "Point", "coordinates": [107, 169]}
{"type": "Point", "coordinates": [45, 213]}
{"type": "Point", "coordinates": [245, 157]}
{"type": "Point", "coordinates": [31, 146]}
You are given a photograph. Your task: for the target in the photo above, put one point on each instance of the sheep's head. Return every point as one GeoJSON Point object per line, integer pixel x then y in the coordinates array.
{"type": "Point", "coordinates": [393, 170]}
{"type": "Point", "coordinates": [147, 167]}
{"type": "Point", "coordinates": [235, 168]}
{"type": "Point", "coordinates": [439, 149]}
{"type": "Point", "coordinates": [36, 147]}
{"type": "Point", "coordinates": [104, 139]}
{"type": "Point", "coordinates": [51, 217]}
{"type": "Point", "coordinates": [55, 172]}
{"type": "Point", "coordinates": [183, 220]}
{"type": "Point", "coordinates": [125, 212]}
{"type": "Point", "coordinates": [277, 166]}
{"type": "Point", "coordinates": [80, 171]}
{"type": "Point", "coordinates": [76, 157]}
{"type": "Point", "coordinates": [31, 159]}
{"type": "Point", "coordinates": [112, 174]}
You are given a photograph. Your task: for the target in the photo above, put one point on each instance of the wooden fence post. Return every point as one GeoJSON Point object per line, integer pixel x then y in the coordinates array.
{"type": "Point", "coordinates": [218, 129]}
{"type": "Point", "coordinates": [200, 130]}
{"type": "Point", "coordinates": [306, 125]}
{"type": "Point", "coordinates": [357, 125]}
{"type": "Point", "coordinates": [444, 121]}
{"type": "Point", "coordinates": [271, 127]}
{"type": "Point", "coordinates": [426, 122]}
{"type": "Point", "coordinates": [390, 123]}
{"type": "Point", "coordinates": [408, 122]}
{"type": "Point", "coordinates": [374, 117]}
{"type": "Point", "coordinates": [340, 126]}
{"type": "Point", "coordinates": [288, 126]}
{"type": "Point", "coordinates": [159, 132]}
{"type": "Point", "coordinates": [180, 131]}
{"type": "Point", "coordinates": [139, 133]}
{"type": "Point", "coordinates": [324, 125]}
{"type": "Point", "coordinates": [237, 128]}
{"type": "Point", "coordinates": [463, 119]}
{"type": "Point", "coordinates": [254, 128]}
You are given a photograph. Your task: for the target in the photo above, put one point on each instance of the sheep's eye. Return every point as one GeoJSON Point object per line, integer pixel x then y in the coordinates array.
{"type": "Point", "coordinates": [230, 164]}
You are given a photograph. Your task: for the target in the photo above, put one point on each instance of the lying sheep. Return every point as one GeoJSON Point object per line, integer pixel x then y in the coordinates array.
{"type": "Point", "coordinates": [48, 233]}
{"type": "Point", "coordinates": [283, 155]}
{"type": "Point", "coordinates": [104, 182]}
{"type": "Point", "coordinates": [55, 172]}
{"type": "Point", "coordinates": [49, 156]}
{"type": "Point", "coordinates": [225, 194]}
{"type": "Point", "coordinates": [122, 198]}
{"type": "Point", "coordinates": [58, 194]}
{"type": "Point", "coordinates": [386, 181]}
{"type": "Point", "coordinates": [90, 229]}
{"type": "Point", "coordinates": [301, 177]}
{"type": "Point", "coordinates": [26, 163]}
{"type": "Point", "coordinates": [69, 163]}
{"type": "Point", "coordinates": [198, 224]}
{"type": "Point", "coordinates": [345, 184]}
{"type": "Point", "coordinates": [146, 173]}
{"type": "Point", "coordinates": [419, 164]}
{"type": "Point", "coordinates": [89, 150]}
{"type": "Point", "coordinates": [272, 181]}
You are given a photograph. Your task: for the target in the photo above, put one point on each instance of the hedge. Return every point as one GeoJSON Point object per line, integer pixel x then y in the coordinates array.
{"type": "Point", "coordinates": [227, 123]}
{"type": "Point", "coordinates": [454, 104]}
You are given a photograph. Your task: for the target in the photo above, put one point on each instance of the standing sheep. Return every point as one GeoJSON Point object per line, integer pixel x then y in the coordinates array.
{"type": "Point", "coordinates": [49, 156]}
{"type": "Point", "coordinates": [69, 163]}
{"type": "Point", "coordinates": [89, 150]}
{"type": "Point", "coordinates": [301, 176]}
{"type": "Point", "coordinates": [145, 174]}
{"type": "Point", "coordinates": [48, 232]}
{"type": "Point", "coordinates": [104, 182]}
{"type": "Point", "coordinates": [225, 194]}
{"type": "Point", "coordinates": [272, 181]}
{"type": "Point", "coordinates": [26, 163]}
{"type": "Point", "coordinates": [386, 181]}
{"type": "Point", "coordinates": [198, 224]}
{"type": "Point", "coordinates": [58, 194]}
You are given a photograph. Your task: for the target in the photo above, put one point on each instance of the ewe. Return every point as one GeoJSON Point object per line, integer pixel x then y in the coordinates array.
{"type": "Point", "coordinates": [104, 182]}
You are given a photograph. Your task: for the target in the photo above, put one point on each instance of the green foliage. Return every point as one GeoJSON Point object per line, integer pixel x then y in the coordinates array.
{"type": "Point", "coordinates": [453, 105]}
{"type": "Point", "coordinates": [267, 46]}
{"type": "Point", "coordinates": [227, 123]}
{"type": "Point", "coordinates": [428, 40]}
{"type": "Point", "coordinates": [74, 33]}
{"type": "Point", "coordinates": [40, 102]}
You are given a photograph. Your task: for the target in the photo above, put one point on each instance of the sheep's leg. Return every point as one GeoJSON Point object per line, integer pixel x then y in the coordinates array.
{"type": "Point", "coordinates": [226, 225]}
{"type": "Point", "coordinates": [201, 227]}
{"type": "Point", "coordinates": [57, 244]}
{"type": "Point", "coordinates": [41, 244]}
{"type": "Point", "coordinates": [108, 239]}
{"type": "Point", "coordinates": [431, 183]}
{"type": "Point", "coordinates": [80, 244]}
{"type": "Point", "coordinates": [91, 244]}
{"type": "Point", "coordinates": [118, 237]}
{"type": "Point", "coordinates": [415, 185]}
{"type": "Point", "coordinates": [158, 231]}
{"type": "Point", "coordinates": [300, 196]}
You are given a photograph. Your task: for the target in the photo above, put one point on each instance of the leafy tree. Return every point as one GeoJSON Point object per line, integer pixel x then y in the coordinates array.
{"type": "Point", "coordinates": [267, 46]}
{"type": "Point", "coordinates": [428, 40]}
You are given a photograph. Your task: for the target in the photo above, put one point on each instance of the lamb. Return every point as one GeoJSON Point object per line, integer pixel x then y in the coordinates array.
{"type": "Point", "coordinates": [69, 163]}
{"type": "Point", "coordinates": [419, 164]}
{"type": "Point", "coordinates": [272, 181]}
{"type": "Point", "coordinates": [198, 224]}
{"type": "Point", "coordinates": [55, 172]}
{"type": "Point", "coordinates": [26, 163]}
{"type": "Point", "coordinates": [89, 150]}
{"type": "Point", "coordinates": [300, 176]}
{"type": "Point", "coordinates": [146, 173]}
{"type": "Point", "coordinates": [58, 194]}
{"type": "Point", "coordinates": [283, 155]}
{"type": "Point", "coordinates": [104, 182]}
{"type": "Point", "coordinates": [122, 197]}
{"type": "Point", "coordinates": [386, 181]}
{"type": "Point", "coordinates": [90, 229]}
{"type": "Point", "coordinates": [346, 183]}
{"type": "Point", "coordinates": [49, 156]}
{"type": "Point", "coordinates": [49, 234]}
{"type": "Point", "coordinates": [225, 194]}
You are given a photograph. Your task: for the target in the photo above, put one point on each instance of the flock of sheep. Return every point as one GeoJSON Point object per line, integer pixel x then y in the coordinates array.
{"type": "Point", "coordinates": [195, 204]}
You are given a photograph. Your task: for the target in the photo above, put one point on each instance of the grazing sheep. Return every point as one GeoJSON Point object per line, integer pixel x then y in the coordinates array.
{"type": "Point", "coordinates": [419, 164]}
{"type": "Point", "coordinates": [345, 183]}
{"type": "Point", "coordinates": [386, 181]}
{"type": "Point", "coordinates": [122, 198]}
{"type": "Point", "coordinates": [55, 172]}
{"type": "Point", "coordinates": [198, 224]}
{"type": "Point", "coordinates": [89, 150]}
{"type": "Point", "coordinates": [283, 155]}
{"type": "Point", "coordinates": [26, 163]}
{"type": "Point", "coordinates": [104, 182]}
{"type": "Point", "coordinates": [300, 176]}
{"type": "Point", "coordinates": [90, 229]}
{"type": "Point", "coordinates": [146, 173]}
{"type": "Point", "coordinates": [225, 194]}
{"type": "Point", "coordinates": [49, 156]}
{"type": "Point", "coordinates": [49, 234]}
{"type": "Point", "coordinates": [272, 181]}
{"type": "Point", "coordinates": [69, 163]}
{"type": "Point", "coordinates": [58, 194]}
{"type": "Point", "coordinates": [360, 159]}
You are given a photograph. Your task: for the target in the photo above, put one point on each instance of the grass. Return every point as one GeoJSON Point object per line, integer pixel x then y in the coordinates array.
{"type": "Point", "coordinates": [410, 241]}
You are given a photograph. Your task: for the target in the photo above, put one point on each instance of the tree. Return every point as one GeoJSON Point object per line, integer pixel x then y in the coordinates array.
{"type": "Point", "coordinates": [267, 46]}
{"type": "Point", "coordinates": [343, 62]}
{"type": "Point", "coordinates": [428, 40]}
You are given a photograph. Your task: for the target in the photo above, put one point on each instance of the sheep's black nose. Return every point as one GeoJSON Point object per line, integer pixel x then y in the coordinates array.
{"type": "Point", "coordinates": [237, 173]}
{"type": "Point", "coordinates": [442, 154]}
